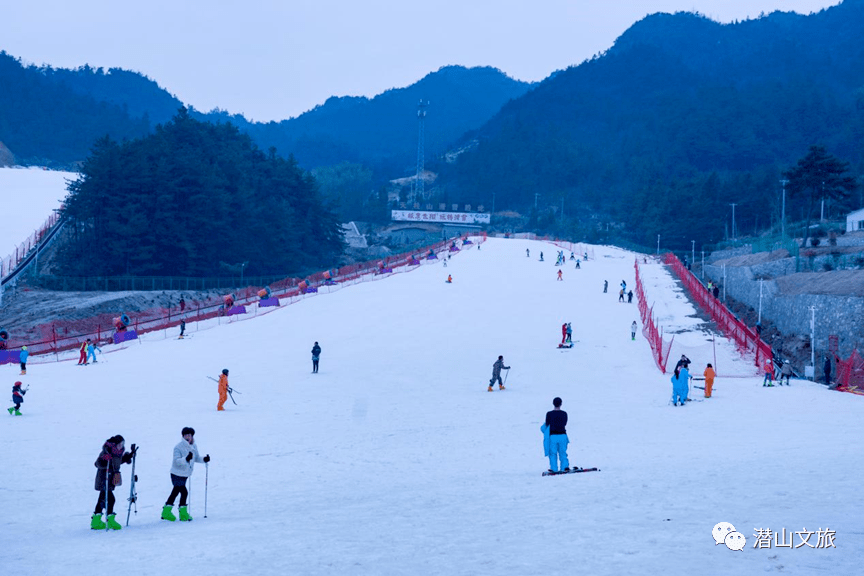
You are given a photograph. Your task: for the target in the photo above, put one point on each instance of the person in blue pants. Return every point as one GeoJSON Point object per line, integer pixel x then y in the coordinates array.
{"type": "Point", "coordinates": [680, 385]}
{"type": "Point", "coordinates": [555, 438]}
{"type": "Point", "coordinates": [91, 350]}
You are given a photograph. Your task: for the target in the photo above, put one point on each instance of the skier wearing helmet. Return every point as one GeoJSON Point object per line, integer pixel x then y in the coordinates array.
{"type": "Point", "coordinates": [223, 390]}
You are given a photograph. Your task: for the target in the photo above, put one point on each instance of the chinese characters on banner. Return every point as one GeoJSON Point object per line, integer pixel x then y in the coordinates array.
{"type": "Point", "coordinates": [440, 217]}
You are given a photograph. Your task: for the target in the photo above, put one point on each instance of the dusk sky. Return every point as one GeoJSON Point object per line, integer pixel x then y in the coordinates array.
{"type": "Point", "coordinates": [272, 59]}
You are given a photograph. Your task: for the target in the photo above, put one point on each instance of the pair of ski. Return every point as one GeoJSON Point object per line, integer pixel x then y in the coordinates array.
{"type": "Point", "coordinates": [572, 471]}
{"type": "Point", "coordinates": [230, 390]}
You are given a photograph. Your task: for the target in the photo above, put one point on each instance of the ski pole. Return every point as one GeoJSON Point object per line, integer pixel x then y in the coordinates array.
{"type": "Point", "coordinates": [505, 376]}
{"type": "Point", "coordinates": [107, 464]}
{"type": "Point", "coordinates": [133, 496]}
{"type": "Point", "coordinates": [206, 482]}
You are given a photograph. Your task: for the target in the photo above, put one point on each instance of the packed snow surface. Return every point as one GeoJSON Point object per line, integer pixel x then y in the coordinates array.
{"type": "Point", "coordinates": [29, 196]}
{"type": "Point", "coordinates": [394, 459]}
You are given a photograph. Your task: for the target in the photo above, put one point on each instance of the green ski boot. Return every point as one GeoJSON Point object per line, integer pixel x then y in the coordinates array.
{"type": "Point", "coordinates": [96, 522]}
{"type": "Point", "coordinates": [17, 413]}
{"type": "Point", "coordinates": [184, 514]}
{"type": "Point", "coordinates": [112, 524]}
{"type": "Point", "coordinates": [166, 513]}
{"type": "Point", "coordinates": [10, 410]}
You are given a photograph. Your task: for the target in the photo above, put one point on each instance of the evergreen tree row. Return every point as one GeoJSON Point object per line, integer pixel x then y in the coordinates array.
{"type": "Point", "coordinates": [195, 199]}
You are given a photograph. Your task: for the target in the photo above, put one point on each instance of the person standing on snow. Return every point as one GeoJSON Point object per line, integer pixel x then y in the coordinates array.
{"type": "Point", "coordinates": [527, 253]}
{"type": "Point", "coordinates": [769, 373]}
{"type": "Point", "coordinates": [91, 350]}
{"type": "Point", "coordinates": [316, 353]}
{"type": "Point", "coordinates": [182, 464]}
{"type": "Point", "coordinates": [559, 275]}
{"type": "Point", "coordinates": [182, 328]}
{"type": "Point", "coordinates": [82, 359]}
{"type": "Point", "coordinates": [680, 385]}
{"type": "Point", "coordinates": [785, 372]}
{"type": "Point", "coordinates": [555, 438]}
{"type": "Point", "coordinates": [563, 333]}
{"type": "Point", "coordinates": [630, 297]}
{"type": "Point", "coordinates": [107, 478]}
{"type": "Point", "coordinates": [621, 295]}
{"type": "Point", "coordinates": [23, 359]}
{"type": "Point", "coordinates": [17, 399]}
{"type": "Point", "coordinates": [709, 375]}
{"type": "Point", "coordinates": [223, 390]}
{"type": "Point", "coordinates": [569, 332]}
{"type": "Point", "coordinates": [826, 368]}
{"type": "Point", "coordinates": [605, 286]}
{"type": "Point", "coordinates": [496, 373]}
{"type": "Point", "coordinates": [633, 328]}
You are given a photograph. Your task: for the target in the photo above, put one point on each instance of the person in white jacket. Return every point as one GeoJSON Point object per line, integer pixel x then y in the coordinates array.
{"type": "Point", "coordinates": [182, 464]}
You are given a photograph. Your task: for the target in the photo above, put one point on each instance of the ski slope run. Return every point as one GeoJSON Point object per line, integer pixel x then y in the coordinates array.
{"type": "Point", "coordinates": [394, 459]}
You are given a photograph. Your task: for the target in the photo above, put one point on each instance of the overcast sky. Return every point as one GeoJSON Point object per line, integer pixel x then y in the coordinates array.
{"type": "Point", "coordinates": [273, 59]}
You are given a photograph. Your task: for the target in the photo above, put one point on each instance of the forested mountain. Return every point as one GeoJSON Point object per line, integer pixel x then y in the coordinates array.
{"type": "Point", "coordinates": [195, 199]}
{"type": "Point", "coordinates": [53, 115]}
{"type": "Point", "coordinates": [680, 118]}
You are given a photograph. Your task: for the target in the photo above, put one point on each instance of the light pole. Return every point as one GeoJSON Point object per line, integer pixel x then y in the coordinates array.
{"type": "Point", "coordinates": [733, 221]}
{"type": "Point", "coordinates": [724, 282]}
{"type": "Point", "coordinates": [783, 215]}
{"type": "Point", "coordinates": [813, 340]}
{"type": "Point", "coordinates": [693, 252]}
{"type": "Point", "coordinates": [658, 244]}
{"type": "Point", "coordinates": [759, 319]}
{"type": "Point", "coordinates": [703, 265]}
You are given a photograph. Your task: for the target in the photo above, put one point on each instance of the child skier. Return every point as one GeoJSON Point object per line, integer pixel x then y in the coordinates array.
{"type": "Point", "coordinates": [91, 350]}
{"type": "Point", "coordinates": [559, 275]}
{"type": "Point", "coordinates": [182, 464]}
{"type": "Point", "coordinates": [223, 390]}
{"type": "Point", "coordinates": [769, 373]}
{"type": "Point", "coordinates": [555, 437]}
{"type": "Point", "coordinates": [107, 477]}
{"type": "Point", "coordinates": [449, 279]}
{"type": "Point", "coordinates": [23, 359]}
{"type": "Point", "coordinates": [633, 328]}
{"type": "Point", "coordinates": [17, 399]}
{"type": "Point", "coordinates": [496, 373]}
{"type": "Point", "coordinates": [630, 297]}
{"type": "Point", "coordinates": [316, 353]}
{"type": "Point", "coordinates": [709, 380]}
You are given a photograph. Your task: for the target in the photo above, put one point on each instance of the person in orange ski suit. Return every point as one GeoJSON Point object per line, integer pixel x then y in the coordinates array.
{"type": "Point", "coordinates": [223, 390]}
{"type": "Point", "coordinates": [709, 380]}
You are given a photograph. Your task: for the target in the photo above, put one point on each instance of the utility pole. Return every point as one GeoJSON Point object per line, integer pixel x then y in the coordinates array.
{"type": "Point", "coordinates": [724, 282]}
{"type": "Point", "coordinates": [759, 318]}
{"type": "Point", "coordinates": [733, 221]}
{"type": "Point", "coordinates": [419, 182]}
{"type": "Point", "coordinates": [813, 340]}
{"type": "Point", "coordinates": [822, 210]}
{"type": "Point", "coordinates": [783, 215]}
{"type": "Point", "coordinates": [703, 264]}
{"type": "Point", "coordinates": [693, 252]}
{"type": "Point", "coordinates": [658, 244]}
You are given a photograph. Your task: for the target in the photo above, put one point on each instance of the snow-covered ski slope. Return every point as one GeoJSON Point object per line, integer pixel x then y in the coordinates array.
{"type": "Point", "coordinates": [29, 196]}
{"type": "Point", "coordinates": [394, 459]}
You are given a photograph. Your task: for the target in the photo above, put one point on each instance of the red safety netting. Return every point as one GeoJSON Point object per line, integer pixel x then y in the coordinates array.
{"type": "Point", "coordinates": [745, 338]}
{"type": "Point", "coordinates": [65, 335]}
{"type": "Point", "coordinates": [850, 373]}
{"type": "Point", "coordinates": [660, 348]}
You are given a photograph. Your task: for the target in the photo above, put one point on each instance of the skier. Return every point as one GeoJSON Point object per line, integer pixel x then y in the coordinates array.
{"type": "Point", "coordinates": [633, 328]}
{"type": "Point", "coordinates": [716, 291]}
{"type": "Point", "coordinates": [108, 464]}
{"type": "Point", "coordinates": [527, 253]}
{"type": "Point", "coordinates": [541, 256]}
{"type": "Point", "coordinates": [563, 333]}
{"type": "Point", "coordinates": [449, 279]}
{"type": "Point", "coordinates": [23, 359]}
{"type": "Point", "coordinates": [621, 295]}
{"type": "Point", "coordinates": [684, 361]}
{"type": "Point", "coordinates": [17, 399]}
{"type": "Point", "coordinates": [630, 297]}
{"type": "Point", "coordinates": [223, 390]}
{"type": "Point", "coordinates": [826, 368]}
{"type": "Point", "coordinates": [496, 373]}
{"type": "Point", "coordinates": [605, 286]}
{"type": "Point", "coordinates": [91, 350]}
{"type": "Point", "coordinates": [623, 285]}
{"type": "Point", "coordinates": [316, 353]}
{"type": "Point", "coordinates": [182, 304]}
{"type": "Point", "coordinates": [680, 385]}
{"type": "Point", "coordinates": [82, 359]}
{"type": "Point", "coordinates": [578, 267]}
{"type": "Point", "coordinates": [555, 437]}
{"type": "Point", "coordinates": [445, 263]}
{"type": "Point", "coordinates": [559, 275]}
{"type": "Point", "coordinates": [182, 464]}
{"type": "Point", "coordinates": [569, 333]}
{"type": "Point", "coordinates": [769, 373]}
{"type": "Point", "coordinates": [785, 372]}
{"type": "Point", "coordinates": [572, 256]}
{"type": "Point", "coordinates": [709, 380]}
{"type": "Point", "coordinates": [182, 328]}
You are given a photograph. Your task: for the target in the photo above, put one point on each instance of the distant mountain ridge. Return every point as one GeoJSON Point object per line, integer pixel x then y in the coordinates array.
{"type": "Point", "coordinates": [379, 131]}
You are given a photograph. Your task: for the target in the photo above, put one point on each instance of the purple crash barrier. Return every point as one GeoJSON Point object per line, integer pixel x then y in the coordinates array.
{"type": "Point", "coordinates": [466, 241]}
{"type": "Point", "coordinates": [124, 336]}
{"type": "Point", "coordinates": [311, 290]}
{"type": "Point", "coordinates": [268, 302]}
{"type": "Point", "coordinates": [432, 256]}
{"type": "Point", "coordinates": [454, 249]}
{"type": "Point", "coordinates": [413, 262]}
{"type": "Point", "coordinates": [384, 271]}
{"type": "Point", "coordinates": [330, 283]}
{"type": "Point", "coordinates": [10, 357]}
{"type": "Point", "coordinates": [236, 310]}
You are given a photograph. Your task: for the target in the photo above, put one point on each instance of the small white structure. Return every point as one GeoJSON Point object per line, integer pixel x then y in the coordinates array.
{"type": "Point", "coordinates": [855, 221]}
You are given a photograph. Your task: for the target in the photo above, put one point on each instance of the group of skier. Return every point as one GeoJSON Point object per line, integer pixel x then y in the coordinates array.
{"type": "Point", "coordinates": [108, 477]}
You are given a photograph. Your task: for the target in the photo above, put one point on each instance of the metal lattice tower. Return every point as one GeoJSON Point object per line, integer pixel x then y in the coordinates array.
{"type": "Point", "coordinates": [419, 182]}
